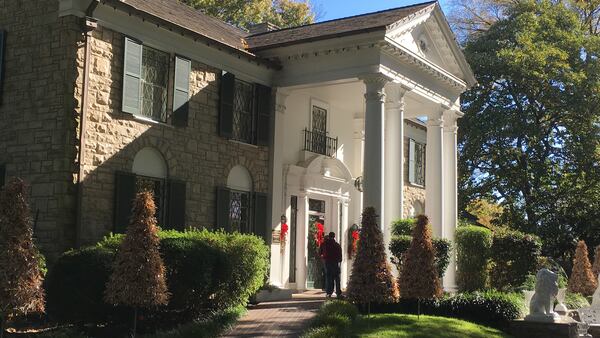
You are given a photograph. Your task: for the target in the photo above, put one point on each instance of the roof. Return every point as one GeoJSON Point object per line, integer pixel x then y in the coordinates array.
{"type": "Point", "coordinates": [333, 28]}
{"type": "Point", "coordinates": [182, 15]}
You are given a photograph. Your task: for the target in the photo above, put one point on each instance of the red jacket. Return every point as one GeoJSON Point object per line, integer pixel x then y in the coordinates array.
{"type": "Point", "coordinates": [331, 251]}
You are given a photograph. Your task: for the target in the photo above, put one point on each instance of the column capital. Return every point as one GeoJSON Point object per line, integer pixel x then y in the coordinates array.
{"type": "Point", "coordinates": [375, 83]}
{"type": "Point", "coordinates": [394, 94]}
{"type": "Point", "coordinates": [281, 96]}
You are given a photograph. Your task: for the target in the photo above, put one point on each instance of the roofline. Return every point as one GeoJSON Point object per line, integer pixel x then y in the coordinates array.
{"type": "Point", "coordinates": [330, 36]}
{"type": "Point", "coordinates": [252, 57]}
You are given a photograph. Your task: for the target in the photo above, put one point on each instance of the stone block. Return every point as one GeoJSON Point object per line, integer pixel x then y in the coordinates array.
{"type": "Point", "coordinates": [528, 329]}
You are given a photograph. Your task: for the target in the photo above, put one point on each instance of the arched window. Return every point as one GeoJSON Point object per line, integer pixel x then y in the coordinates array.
{"type": "Point", "coordinates": [417, 208]}
{"type": "Point", "coordinates": [149, 162]}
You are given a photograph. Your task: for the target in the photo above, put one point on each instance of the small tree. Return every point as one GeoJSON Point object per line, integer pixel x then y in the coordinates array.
{"type": "Point", "coordinates": [371, 279]}
{"type": "Point", "coordinates": [582, 279]}
{"type": "Point", "coordinates": [20, 278]}
{"type": "Point", "coordinates": [138, 278]}
{"type": "Point", "coordinates": [419, 278]}
{"type": "Point", "coordinates": [596, 266]}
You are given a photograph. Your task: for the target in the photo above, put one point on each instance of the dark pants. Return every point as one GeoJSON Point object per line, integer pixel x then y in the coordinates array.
{"type": "Point", "coordinates": [332, 274]}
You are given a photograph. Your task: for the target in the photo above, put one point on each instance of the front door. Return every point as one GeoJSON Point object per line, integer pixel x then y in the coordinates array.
{"type": "Point", "coordinates": [316, 215]}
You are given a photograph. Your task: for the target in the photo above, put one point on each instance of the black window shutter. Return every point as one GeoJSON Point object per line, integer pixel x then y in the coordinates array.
{"type": "Point", "coordinates": [223, 205]}
{"type": "Point", "coordinates": [262, 225]}
{"type": "Point", "coordinates": [2, 175]}
{"type": "Point", "coordinates": [226, 110]}
{"type": "Point", "coordinates": [124, 195]}
{"type": "Point", "coordinates": [176, 205]}
{"type": "Point", "coordinates": [2, 48]}
{"type": "Point", "coordinates": [181, 92]}
{"type": "Point", "coordinates": [263, 112]}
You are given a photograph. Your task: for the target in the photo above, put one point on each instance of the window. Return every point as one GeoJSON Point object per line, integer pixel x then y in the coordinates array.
{"type": "Point", "coordinates": [146, 84]}
{"type": "Point", "coordinates": [245, 111]}
{"type": "Point", "coordinates": [239, 212]}
{"type": "Point", "coordinates": [416, 163]}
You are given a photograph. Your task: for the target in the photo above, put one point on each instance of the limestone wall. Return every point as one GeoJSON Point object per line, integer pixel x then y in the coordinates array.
{"type": "Point", "coordinates": [38, 113]}
{"type": "Point", "coordinates": [194, 154]}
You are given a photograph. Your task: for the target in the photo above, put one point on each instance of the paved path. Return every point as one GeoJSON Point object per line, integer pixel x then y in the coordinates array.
{"type": "Point", "coordinates": [279, 319]}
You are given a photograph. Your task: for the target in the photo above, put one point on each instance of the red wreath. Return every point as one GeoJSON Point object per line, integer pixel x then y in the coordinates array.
{"type": "Point", "coordinates": [353, 243]}
{"type": "Point", "coordinates": [283, 235]}
{"type": "Point", "coordinates": [320, 234]}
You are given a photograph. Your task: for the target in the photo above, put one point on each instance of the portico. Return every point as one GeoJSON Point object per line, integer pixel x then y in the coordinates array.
{"type": "Point", "coordinates": [369, 85]}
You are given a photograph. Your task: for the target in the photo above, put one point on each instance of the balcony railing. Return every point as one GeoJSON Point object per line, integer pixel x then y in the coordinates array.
{"type": "Point", "coordinates": [320, 143]}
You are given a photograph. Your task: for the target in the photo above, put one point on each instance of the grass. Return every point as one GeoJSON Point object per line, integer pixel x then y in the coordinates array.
{"type": "Point", "coordinates": [399, 325]}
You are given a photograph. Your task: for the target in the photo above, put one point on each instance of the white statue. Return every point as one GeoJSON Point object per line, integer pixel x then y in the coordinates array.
{"type": "Point", "coordinates": [596, 297]}
{"type": "Point", "coordinates": [542, 302]}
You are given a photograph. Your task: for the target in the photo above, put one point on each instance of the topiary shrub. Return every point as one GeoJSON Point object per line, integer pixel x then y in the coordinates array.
{"type": "Point", "coordinates": [473, 245]}
{"type": "Point", "coordinates": [442, 246]}
{"type": "Point", "coordinates": [582, 279]}
{"type": "Point", "coordinates": [206, 272]}
{"type": "Point", "coordinates": [514, 256]}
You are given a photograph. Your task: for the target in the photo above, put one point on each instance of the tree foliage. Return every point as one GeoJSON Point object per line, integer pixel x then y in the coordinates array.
{"type": "Point", "coordinates": [371, 280]}
{"type": "Point", "coordinates": [138, 277]}
{"type": "Point", "coordinates": [20, 278]}
{"type": "Point", "coordinates": [245, 13]}
{"type": "Point", "coordinates": [419, 277]}
{"type": "Point", "coordinates": [582, 279]}
{"type": "Point", "coordinates": [530, 135]}
{"type": "Point", "coordinates": [488, 213]}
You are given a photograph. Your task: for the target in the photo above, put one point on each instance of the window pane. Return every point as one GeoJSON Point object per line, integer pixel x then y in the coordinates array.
{"type": "Point", "coordinates": [239, 212]}
{"type": "Point", "coordinates": [420, 163]}
{"type": "Point", "coordinates": [243, 102]}
{"type": "Point", "coordinates": [155, 71]}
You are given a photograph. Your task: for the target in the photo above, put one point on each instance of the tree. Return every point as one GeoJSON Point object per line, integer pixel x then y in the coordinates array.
{"type": "Point", "coordinates": [138, 277]}
{"type": "Point", "coordinates": [419, 278]}
{"type": "Point", "coordinates": [245, 13]}
{"type": "Point", "coordinates": [596, 266]}
{"type": "Point", "coordinates": [371, 280]}
{"type": "Point", "coordinates": [529, 138]}
{"type": "Point", "coordinates": [21, 280]}
{"type": "Point", "coordinates": [582, 279]}
{"type": "Point", "coordinates": [488, 213]}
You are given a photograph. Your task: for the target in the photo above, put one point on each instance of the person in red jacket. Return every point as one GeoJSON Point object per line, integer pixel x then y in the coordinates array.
{"type": "Point", "coordinates": [331, 253]}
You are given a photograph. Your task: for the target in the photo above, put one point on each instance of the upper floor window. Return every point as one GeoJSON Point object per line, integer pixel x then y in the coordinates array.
{"type": "Point", "coordinates": [245, 111]}
{"type": "Point", "coordinates": [416, 163]}
{"type": "Point", "coordinates": [146, 84]}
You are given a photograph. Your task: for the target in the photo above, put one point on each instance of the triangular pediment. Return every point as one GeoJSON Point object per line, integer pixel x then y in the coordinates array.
{"type": "Point", "coordinates": [428, 35]}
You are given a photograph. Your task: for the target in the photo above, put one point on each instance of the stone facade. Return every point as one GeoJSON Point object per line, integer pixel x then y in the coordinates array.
{"type": "Point", "coordinates": [38, 114]}
{"type": "Point", "coordinates": [195, 154]}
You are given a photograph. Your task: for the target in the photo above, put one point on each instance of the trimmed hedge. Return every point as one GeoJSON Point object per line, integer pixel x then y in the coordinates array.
{"type": "Point", "coordinates": [473, 245]}
{"type": "Point", "coordinates": [401, 238]}
{"type": "Point", "coordinates": [514, 256]}
{"type": "Point", "coordinates": [206, 271]}
{"type": "Point", "coordinates": [400, 244]}
{"type": "Point", "coordinates": [491, 308]}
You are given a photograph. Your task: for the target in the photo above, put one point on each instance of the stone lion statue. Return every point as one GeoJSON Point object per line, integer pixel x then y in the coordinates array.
{"type": "Point", "coordinates": [542, 302]}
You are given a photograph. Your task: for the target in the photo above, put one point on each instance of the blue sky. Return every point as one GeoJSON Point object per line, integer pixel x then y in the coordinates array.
{"type": "Point", "coordinates": [334, 9]}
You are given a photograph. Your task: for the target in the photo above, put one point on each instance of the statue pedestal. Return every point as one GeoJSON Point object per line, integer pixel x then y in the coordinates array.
{"type": "Point", "coordinates": [530, 329]}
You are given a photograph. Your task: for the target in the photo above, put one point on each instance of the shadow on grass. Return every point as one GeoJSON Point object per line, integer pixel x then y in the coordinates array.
{"type": "Point", "coordinates": [397, 325]}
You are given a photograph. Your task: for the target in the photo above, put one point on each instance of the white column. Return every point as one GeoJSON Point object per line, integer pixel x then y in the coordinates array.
{"type": "Point", "coordinates": [344, 243]}
{"type": "Point", "coordinates": [357, 168]}
{"type": "Point", "coordinates": [434, 177]}
{"type": "Point", "coordinates": [450, 192]}
{"type": "Point", "coordinates": [301, 234]}
{"type": "Point", "coordinates": [373, 194]}
{"type": "Point", "coordinates": [278, 206]}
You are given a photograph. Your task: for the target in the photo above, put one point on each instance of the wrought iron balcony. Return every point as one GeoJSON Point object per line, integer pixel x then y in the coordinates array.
{"type": "Point", "coordinates": [320, 143]}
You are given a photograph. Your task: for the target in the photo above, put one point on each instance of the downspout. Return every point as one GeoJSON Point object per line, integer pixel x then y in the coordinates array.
{"type": "Point", "coordinates": [89, 24]}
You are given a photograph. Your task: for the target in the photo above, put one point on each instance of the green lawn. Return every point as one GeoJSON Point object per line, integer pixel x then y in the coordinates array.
{"type": "Point", "coordinates": [399, 325]}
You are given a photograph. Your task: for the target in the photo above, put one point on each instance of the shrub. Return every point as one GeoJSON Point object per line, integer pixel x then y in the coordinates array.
{"type": "Point", "coordinates": [334, 319]}
{"type": "Point", "coordinates": [419, 277]}
{"type": "Point", "coordinates": [491, 308]}
{"type": "Point", "coordinates": [399, 245]}
{"type": "Point", "coordinates": [338, 306]}
{"type": "Point", "coordinates": [514, 256]}
{"type": "Point", "coordinates": [582, 279]}
{"type": "Point", "coordinates": [323, 332]}
{"type": "Point", "coordinates": [473, 245]}
{"type": "Point", "coordinates": [403, 227]}
{"type": "Point", "coordinates": [371, 279]}
{"type": "Point", "coordinates": [575, 301]}
{"type": "Point", "coordinates": [206, 272]}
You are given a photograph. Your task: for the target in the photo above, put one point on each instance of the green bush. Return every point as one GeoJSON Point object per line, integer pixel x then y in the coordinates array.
{"type": "Point", "coordinates": [472, 245]}
{"type": "Point", "coordinates": [403, 227]}
{"type": "Point", "coordinates": [206, 272]}
{"type": "Point", "coordinates": [491, 308]}
{"type": "Point", "coordinates": [399, 245]}
{"type": "Point", "coordinates": [323, 332]}
{"type": "Point", "coordinates": [574, 301]}
{"type": "Point", "coordinates": [338, 306]}
{"type": "Point", "coordinates": [334, 319]}
{"type": "Point", "coordinates": [514, 256]}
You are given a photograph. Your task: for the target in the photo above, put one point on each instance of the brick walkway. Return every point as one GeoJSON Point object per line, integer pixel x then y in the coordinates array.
{"type": "Point", "coordinates": [279, 319]}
